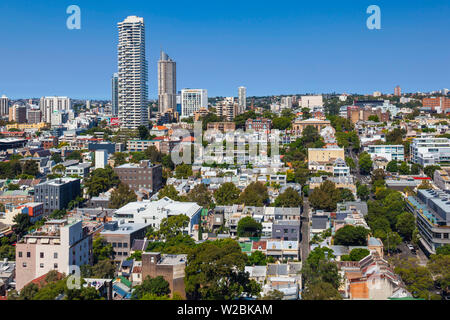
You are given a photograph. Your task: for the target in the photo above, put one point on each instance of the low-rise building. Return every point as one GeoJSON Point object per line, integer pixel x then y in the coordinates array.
{"type": "Point", "coordinates": [143, 175]}
{"type": "Point", "coordinates": [59, 245]}
{"type": "Point", "coordinates": [170, 267]}
{"type": "Point", "coordinates": [122, 236]}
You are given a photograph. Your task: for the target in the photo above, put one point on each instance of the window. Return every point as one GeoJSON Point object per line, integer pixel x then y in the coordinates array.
{"type": "Point", "coordinates": [55, 266]}
{"type": "Point", "coordinates": [28, 254]}
{"type": "Point", "coordinates": [55, 255]}
{"type": "Point", "coordinates": [42, 255]}
{"type": "Point", "coordinates": [20, 254]}
{"type": "Point", "coordinates": [41, 265]}
{"type": "Point", "coordinates": [119, 253]}
{"type": "Point", "coordinates": [114, 244]}
{"type": "Point", "coordinates": [125, 245]}
{"type": "Point", "coordinates": [24, 264]}
{"type": "Point", "coordinates": [119, 244]}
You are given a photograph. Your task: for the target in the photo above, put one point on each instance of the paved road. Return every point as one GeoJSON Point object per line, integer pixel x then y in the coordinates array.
{"type": "Point", "coordinates": [406, 253]}
{"type": "Point", "coordinates": [304, 243]}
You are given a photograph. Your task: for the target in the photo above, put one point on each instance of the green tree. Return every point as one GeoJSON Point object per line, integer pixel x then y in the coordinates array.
{"type": "Point", "coordinates": [319, 267]}
{"type": "Point", "coordinates": [143, 132]}
{"type": "Point", "coordinates": [249, 227]}
{"type": "Point", "coordinates": [121, 196]}
{"type": "Point", "coordinates": [429, 170]}
{"type": "Point", "coordinates": [325, 197]}
{"type": "Point", "coordinates": [227, 194]}
{"type": "Point", "coordinates": [257, 258]}
{"type": "Point", "coordinates": [365, 163]}
{"type": "Point", "coordinates": [406, 224]}
{"type": "Point", "coordinates": [156, 286]}
{"type": "Point", "coordinates": [363, 192]}
{"type": "Point", "coordinates": [321, 291]}
{"type": "Point", "coordinates": [392, 166]}
{"type": "Point", "coordinates": [403, 168]}
{"type": "Point", "coordinates": [101, 180]}
{"type": "Point", "coordinates": [289, 199]}
{"type": "Point", "coordinates": [356, 255]}
{"type": "Point", "coordinates": [201, 195]}
{"type": "Point", "coordinates": [255, 194]}
{"type": "Point", "coordinates": [173, 226]}
{"type": "Point", "coordinates": [444, 250]}
{"type": "Point", "coordinates": [31, 168]}
{"type": "Point", "coordinates": [346, 195]}
{"type": "Point", "coordinates": [183, 171]}
{"type": "Point", "coordinates": [168, 191]}
{"type": "Point", "coordinates": [351, 236]}
{"type": "Point", "coordinates": [101, 250]}
{"type": "Point", "coordinates": [216, 271]}
{"type": "Point", "coordinates": [56, 157]}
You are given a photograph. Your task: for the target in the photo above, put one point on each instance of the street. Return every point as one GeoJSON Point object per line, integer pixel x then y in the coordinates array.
{"type": "Point", "coordinates": [304, 243]}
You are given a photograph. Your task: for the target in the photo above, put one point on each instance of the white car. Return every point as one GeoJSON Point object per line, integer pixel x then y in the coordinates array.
{"type": "Point", "coordinates": [410, 247]}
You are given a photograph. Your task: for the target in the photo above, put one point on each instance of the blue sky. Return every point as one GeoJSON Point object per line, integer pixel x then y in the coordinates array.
{"type": "Point", "coordinates": [271, 47]}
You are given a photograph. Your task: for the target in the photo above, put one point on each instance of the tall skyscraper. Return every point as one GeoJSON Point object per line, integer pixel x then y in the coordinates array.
{"type": "Point", "coordinates": [167, 83]}
{"type": "Point", "coordinates": [133, 73]}
{"type": "Point", "coordinates": [398, 91]}
{"type": "Point", "coordinates": [242, 91]}
{"type": "Point", "coordinates": [192, 100]}
{"type": "Point", "coordinates": [4, 106]}
{"type": "Point", "coordinates": [115, 94]}
{"type": "Point", "coordinates": [49, 105]}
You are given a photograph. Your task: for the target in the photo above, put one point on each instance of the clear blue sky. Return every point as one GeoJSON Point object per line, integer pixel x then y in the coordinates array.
{"type": "Point", "coordinates": [271, 47]}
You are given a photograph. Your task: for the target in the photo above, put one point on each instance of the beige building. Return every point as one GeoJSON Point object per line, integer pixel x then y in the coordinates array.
{"type": "Point", "coordinates": [60, 245]}
{"type": "Point", "coordinates": [441, 178]}
{"type": "Point", "coordinates": [299, 125]}
{"type": "Point", "coordinates": [312, 101]}
{"type": "Point", "coordinates": [325, 155]}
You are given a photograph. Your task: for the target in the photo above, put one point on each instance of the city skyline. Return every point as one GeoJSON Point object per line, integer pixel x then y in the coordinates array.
{"type": "Point", "coordinates": [308, 52]}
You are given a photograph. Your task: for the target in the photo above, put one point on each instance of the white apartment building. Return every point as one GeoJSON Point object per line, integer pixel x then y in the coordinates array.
{"type": "Point", "coordinates": [428, 151]}
{"type": "Point", "coordinates": [49, 105]}
{"type": "Point", "coordinates": [57, 245]}
{"type": "Point", "coordinates": [311, 101]}
{"type": "Point", "coordinates": [192, 100]}
{"type": "Point", "coordinates": [101, 159]}
{"type": "Point", "coordinates": [389, 152]}
{"type": "Point", "coordinates": [153, 212]}
{"type": "Point", "coordinates": [133, 73]}
{"type": "Point", "coordinates": [242, 93]}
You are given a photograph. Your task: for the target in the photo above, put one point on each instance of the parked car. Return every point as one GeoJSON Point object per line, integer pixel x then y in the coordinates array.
{"type": "Point", "coordinates": [411, 247]}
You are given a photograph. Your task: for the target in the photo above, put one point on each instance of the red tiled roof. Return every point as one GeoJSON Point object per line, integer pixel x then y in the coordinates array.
{"type": "Point", "coordinates": [257, 244]}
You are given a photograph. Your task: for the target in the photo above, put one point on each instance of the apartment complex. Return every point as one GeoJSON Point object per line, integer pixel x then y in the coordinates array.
{"type": "Point", "coordinates": [115, 95]}
{"type": "Point", "coordinates": [167, 83]}
{"type": "Point", "coordinates": [432, 211]}
{"type": "Point", "coordinates": [311, 101]}
{"type": "Point", "coordinates": [299, 125]}
{"type": "Point", "coordinates": [388, 152]}
{"type": "Point", "coordinates": [57, 193]}
{"type": "Point", "coordinates": [193, 100]}
{"type": "Point", "coordinates": [428, 151]}
{"type": "Point", "coordinates": [222, 126]}
{"type": "Point", "coordinates": [258, 124]}
{"type": "Point", "coordinates": [122, 236]}
{"type": "Point", "coordinates": [4, 106]}
{"type": "Point", "coordinates": [439, 104]}
{"type": "Point", "coordinates": [133, 76]}
{"type": "Point", "coordinates": [49, 105]}
{"type": "Point", "coordinates": [242, 94]}
{"type": "Point", "coordinates": [58, 245]}
{"type": "Point", "coordinates": [142, 175]}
